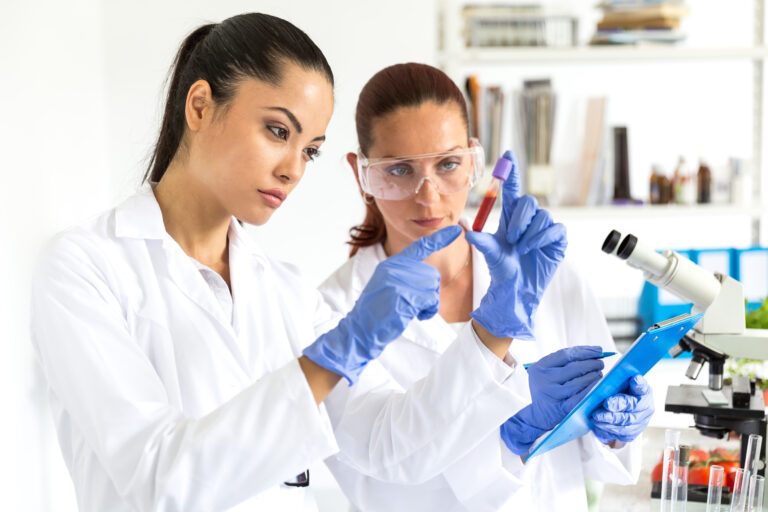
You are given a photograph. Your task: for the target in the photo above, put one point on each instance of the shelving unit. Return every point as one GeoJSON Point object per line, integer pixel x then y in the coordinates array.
{"type": "Point", "coordinates": [475, 56]}
{"type": "Point", "coordinates": [456, 59]}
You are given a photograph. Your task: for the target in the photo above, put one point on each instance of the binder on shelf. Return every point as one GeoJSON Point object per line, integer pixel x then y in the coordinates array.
{"type": "Point", "coordinates": [486, 108]}
{"type": "Point", "coordinates": [590, 168]}
{"type": "Point", "coordinates": [649, 348]}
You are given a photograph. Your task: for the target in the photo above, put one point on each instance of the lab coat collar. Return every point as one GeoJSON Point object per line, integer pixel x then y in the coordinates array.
{"type": "Point", "coordinates": [139, 216]}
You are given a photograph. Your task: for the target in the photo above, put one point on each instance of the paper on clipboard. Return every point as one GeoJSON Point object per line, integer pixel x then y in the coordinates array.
{"type": "Point", "coordinates": [644, 353]}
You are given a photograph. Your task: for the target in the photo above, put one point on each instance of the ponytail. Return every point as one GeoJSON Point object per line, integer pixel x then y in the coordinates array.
{"type": "Point", "coordinates": [172, 127]}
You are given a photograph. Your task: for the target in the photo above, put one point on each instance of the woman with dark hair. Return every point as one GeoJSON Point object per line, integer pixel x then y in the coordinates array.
{"type": "Point", "coordinates": [171, 343]}
{"type": "Point", "coordinates": [441, 420]}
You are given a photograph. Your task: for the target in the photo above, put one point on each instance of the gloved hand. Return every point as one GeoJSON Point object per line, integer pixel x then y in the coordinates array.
{"type": "Point", "coordinates": [624, 416]}
{"type": "Point", "coordinates": [402, 288]}
{"type": "Point", "coordinates": [557, 382]}
{"type": "Point", "coordinates": [522, 257]}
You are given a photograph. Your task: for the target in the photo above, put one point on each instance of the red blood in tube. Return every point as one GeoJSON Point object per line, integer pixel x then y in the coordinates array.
{"type": "Point", "coordinates": [485, 209]}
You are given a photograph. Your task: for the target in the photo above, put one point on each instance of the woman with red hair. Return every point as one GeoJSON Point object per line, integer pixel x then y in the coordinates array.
{"type": "Point", "coordinates": [443, 419]}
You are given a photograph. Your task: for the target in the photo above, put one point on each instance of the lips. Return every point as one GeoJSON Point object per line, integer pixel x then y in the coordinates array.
{"type": "Point", "coordinates": [429, 222]}
{"type": "Point", "coordinates": [274, 197]}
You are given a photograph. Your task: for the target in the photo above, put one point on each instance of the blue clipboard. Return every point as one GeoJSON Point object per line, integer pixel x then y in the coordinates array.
{"type": "Point", "coordinates": [644, 353]}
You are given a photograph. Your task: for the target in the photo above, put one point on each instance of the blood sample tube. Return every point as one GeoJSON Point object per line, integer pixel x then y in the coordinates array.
{"type": "Point", "coordinates": [501, 170]}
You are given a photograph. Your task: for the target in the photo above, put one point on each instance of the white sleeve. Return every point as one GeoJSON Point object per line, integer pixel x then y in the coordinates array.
{"type": "Point", "coordinates": [157, 458]}
{"type": "Point", "coordinates": [410, 436]}
{"type": "Point", "coordinates": [611, 465]}
{"type": "Point", "coordinates": [486, 477]}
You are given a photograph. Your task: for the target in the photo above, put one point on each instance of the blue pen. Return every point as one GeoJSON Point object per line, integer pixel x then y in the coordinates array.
{"type": "Point", "coordinates": [604, 354]}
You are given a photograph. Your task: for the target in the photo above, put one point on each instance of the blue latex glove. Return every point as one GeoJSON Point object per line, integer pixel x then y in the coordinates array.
{"type": "Point", "coordinates": [522, 257]}
{"type": "Point", "coordinates": [624, 416]}
{"type": "Point", "coordinates": [557, 382]}
{"type": "Point", "coordinates": [402, 288]}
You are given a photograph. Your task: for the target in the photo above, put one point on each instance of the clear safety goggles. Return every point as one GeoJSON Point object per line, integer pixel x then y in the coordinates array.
{"type": "Point", "coordinates": [449, 172]}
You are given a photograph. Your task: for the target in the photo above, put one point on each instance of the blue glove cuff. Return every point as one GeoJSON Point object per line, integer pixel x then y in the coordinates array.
{"type": "Point", "coordinates": [501, 327]}
{"type": "Point", "coordinates": [332, 351]}
{"type": "Point", "coordinates": [518, 435]}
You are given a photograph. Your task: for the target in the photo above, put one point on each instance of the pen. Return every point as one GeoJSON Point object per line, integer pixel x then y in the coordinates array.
{"type": "Point", "coordinates": [604, 354]}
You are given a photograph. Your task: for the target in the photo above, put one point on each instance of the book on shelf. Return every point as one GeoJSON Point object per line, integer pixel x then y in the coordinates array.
{"type": "Point", "coordinates": [538, 105]}
{"type": "Point", "coordinates": [629, 14]}
{"type": "Point", "coordinates": [592, 163]}
{"type": "Point", "coordinates": [486, 111]}
{"type": "Point", "coordinates": [645, 24]}
{"type": "Point", "coordinates": [635, 21]}
{"type": "Point", "coordinates": [518, 25]}
{"type": "Point", "coordinates": [637, 36]}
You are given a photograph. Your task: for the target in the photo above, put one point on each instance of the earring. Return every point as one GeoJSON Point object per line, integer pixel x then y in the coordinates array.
{"type": "Point", "coordinates": [368, 199]}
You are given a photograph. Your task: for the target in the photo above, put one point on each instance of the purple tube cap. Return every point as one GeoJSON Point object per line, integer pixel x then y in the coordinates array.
{"type": "Point", "coordinates": [504, 165]}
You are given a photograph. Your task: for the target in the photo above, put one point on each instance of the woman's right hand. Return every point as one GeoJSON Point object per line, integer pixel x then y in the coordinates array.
{"type": "Point", "coordinates": [522, 256]}
{"type": "Point", "coordinates": [558, 382]}
{"type": "Point", "coordinates": [402, 288]}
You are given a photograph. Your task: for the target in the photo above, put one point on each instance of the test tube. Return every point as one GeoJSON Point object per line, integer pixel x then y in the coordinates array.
{"type": "Point", "coordinates": [669, 469]}
{"type": "Point", "coordinates": [715, 489]}
{"type": "Point", "coordinates": [755, 498]}
{"type": "Point", "coordinates": [750, 468]}
{"type": "Point", "coordinates": [504, 166]}
{"type": "Point", "coordinates": [681, 502]}
{"type": "Point", "coordinates": [737, 501]}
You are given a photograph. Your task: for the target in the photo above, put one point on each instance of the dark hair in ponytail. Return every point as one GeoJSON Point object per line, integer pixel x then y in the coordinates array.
{"type": "Point", "coordinates": [252, 45]}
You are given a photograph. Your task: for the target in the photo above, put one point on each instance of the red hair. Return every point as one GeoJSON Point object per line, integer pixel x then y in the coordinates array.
{"type": "Point", "coordinates": [394, 87]}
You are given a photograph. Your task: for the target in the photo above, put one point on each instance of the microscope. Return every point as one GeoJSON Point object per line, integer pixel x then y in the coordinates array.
{"type": "Point", "coordinates": [717, 409]}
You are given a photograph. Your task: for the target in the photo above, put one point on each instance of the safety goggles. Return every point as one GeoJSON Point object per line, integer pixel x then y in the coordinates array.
{"type": "Point", "coordinates": [397, 178]}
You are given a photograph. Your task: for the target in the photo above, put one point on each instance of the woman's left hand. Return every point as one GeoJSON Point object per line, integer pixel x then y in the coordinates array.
{"type": "Point", "coordinates": [624, 416]}
{"type": "Point", "coordinates": [522, 257]}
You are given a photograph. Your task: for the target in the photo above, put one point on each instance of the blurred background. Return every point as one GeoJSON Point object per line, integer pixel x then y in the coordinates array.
{"type": "Point", "coordinates": [599, 103]}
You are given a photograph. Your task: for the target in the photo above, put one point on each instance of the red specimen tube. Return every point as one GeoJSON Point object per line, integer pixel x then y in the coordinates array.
{"type": "Point", "coordinates": [501, 170]}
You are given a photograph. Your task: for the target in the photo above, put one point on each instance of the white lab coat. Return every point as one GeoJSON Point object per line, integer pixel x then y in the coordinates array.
{"type": "Point", "coordinates": [161, 402]}
{"type": "Point", "coordinates": [486, 476]}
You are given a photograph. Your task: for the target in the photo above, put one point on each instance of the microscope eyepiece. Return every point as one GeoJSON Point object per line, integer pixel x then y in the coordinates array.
{"type": "Point", "coordinates": [667, 270]}
{"type": "Point", "coordinates": [627, 247]}
{"type": "Point", "coordinates": [611, 241]}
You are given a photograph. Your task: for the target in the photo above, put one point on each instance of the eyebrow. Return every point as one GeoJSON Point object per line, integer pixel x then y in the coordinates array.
{"type": "Point", "coordinates": [295, 121]}
{"type": "Point", "coordinates": [408, 159]}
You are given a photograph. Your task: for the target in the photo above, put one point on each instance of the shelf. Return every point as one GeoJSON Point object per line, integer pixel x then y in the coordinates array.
{"type": "Point", "coordinates": [565, 213]}
{"type": "Point", "coordinates": [475, 56]}
{"type": "Point", "coordinates": [652, 211]}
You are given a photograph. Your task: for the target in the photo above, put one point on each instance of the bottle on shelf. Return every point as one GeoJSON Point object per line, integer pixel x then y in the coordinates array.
{"type": "Point", "coordinates": [689, 190]}
{"type": "Point", "coordinates": [704, 183]}
{"type": "Point", "coordinates": [678, 181]}
{"type": "Point", "coordinates": [741, 181]}
{"type": "Point", "coordinates": [654, 195]}
{"type": "Point", "coordinates": [665, 188]}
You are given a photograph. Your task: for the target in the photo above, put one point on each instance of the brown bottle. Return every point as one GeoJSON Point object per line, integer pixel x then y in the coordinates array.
{"type": "Point", "coordinates": [665, 190]}
{"type": "Point", "coordinates": [704, 184]}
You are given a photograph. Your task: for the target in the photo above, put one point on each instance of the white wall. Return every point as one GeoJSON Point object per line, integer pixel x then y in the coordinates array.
{"type": "Point", "coordinates": [54, 172]}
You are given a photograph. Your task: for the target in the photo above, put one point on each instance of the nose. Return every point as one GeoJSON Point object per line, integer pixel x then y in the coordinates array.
{"type": "Point", "coordinates": [427, 192]}
{"type": "Point", "coordinates": [291, 167]}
